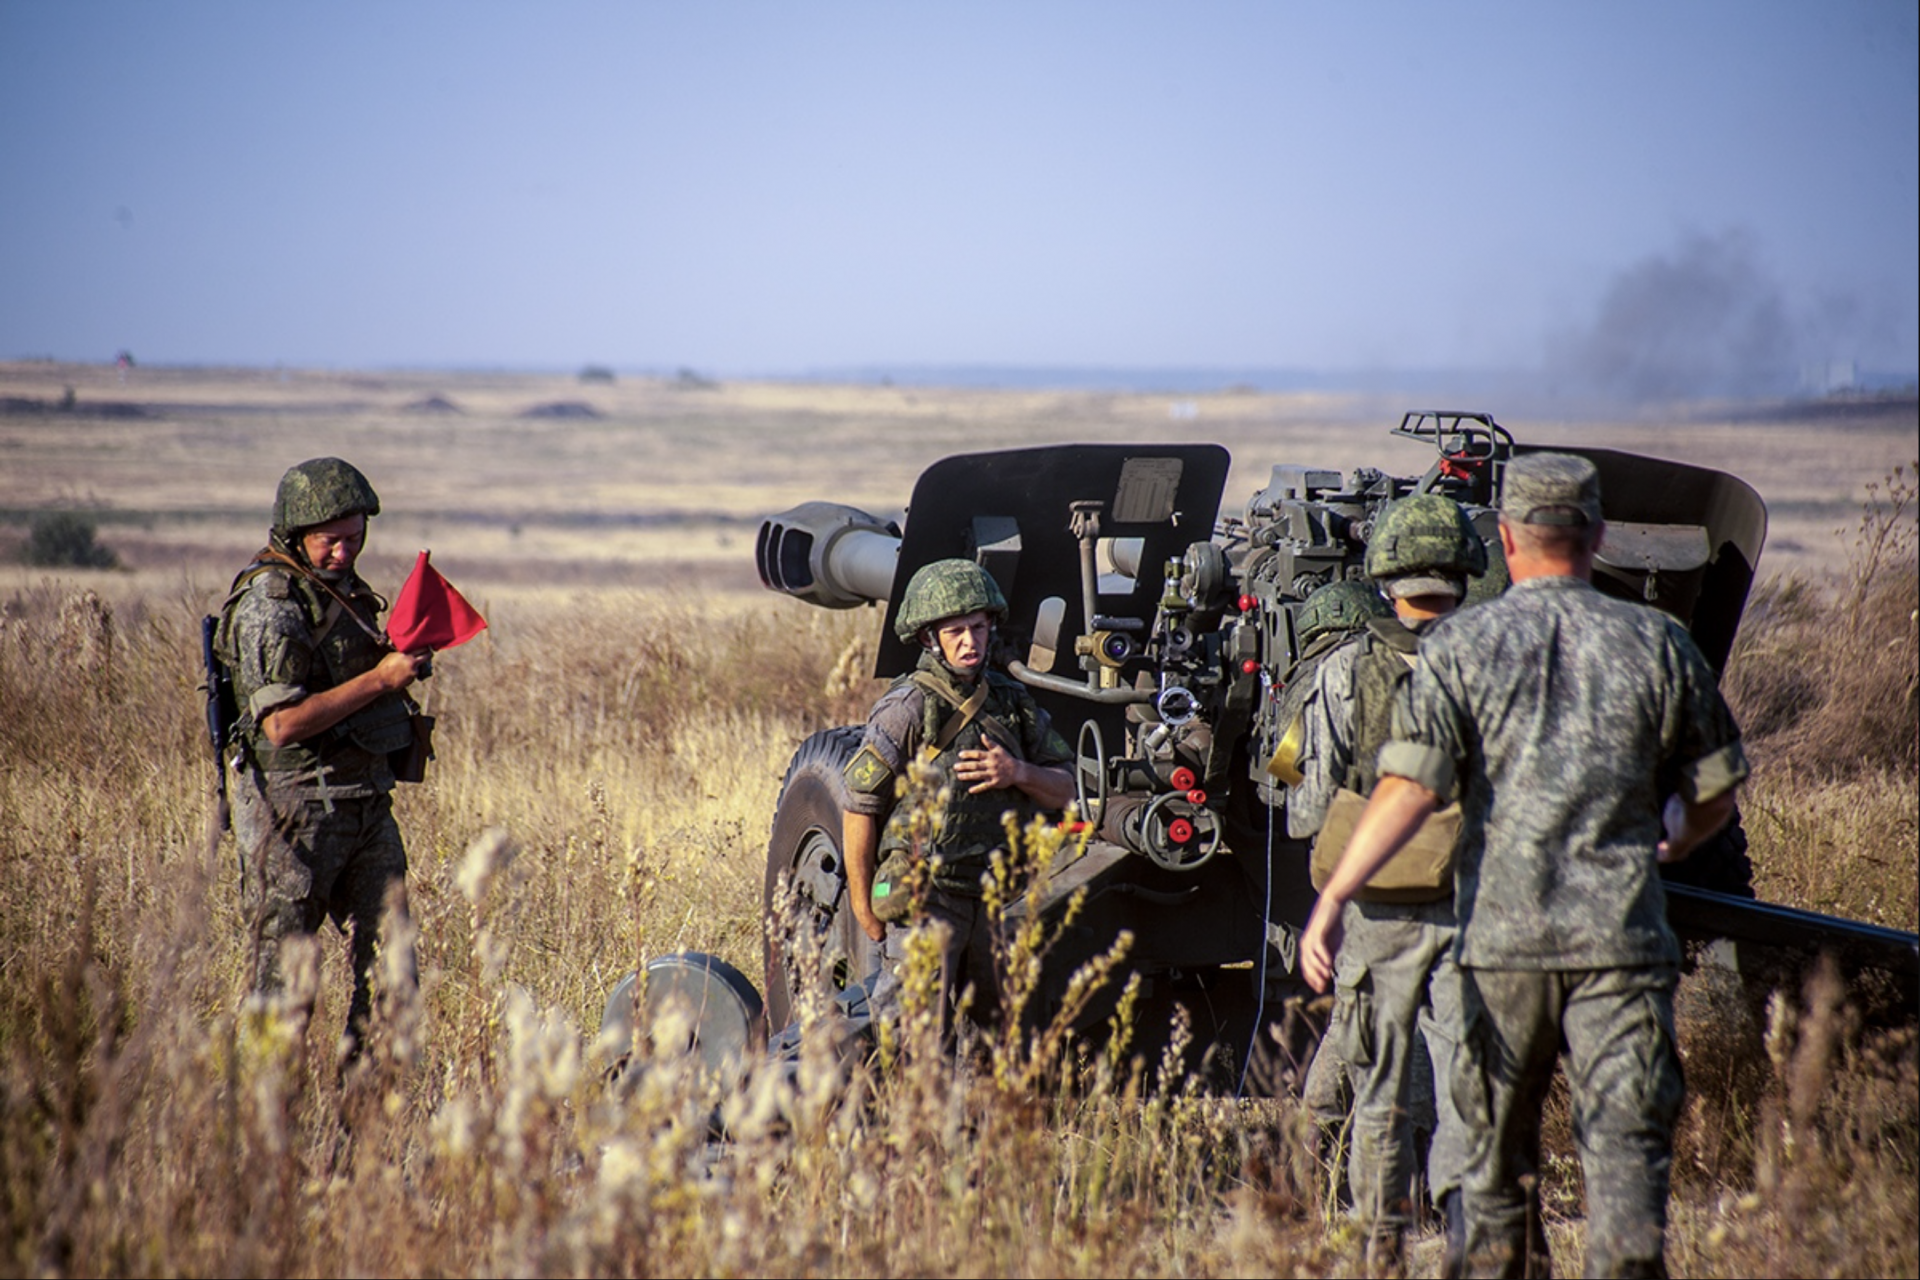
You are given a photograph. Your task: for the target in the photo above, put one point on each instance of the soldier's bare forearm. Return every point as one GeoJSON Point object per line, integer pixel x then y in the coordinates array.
{"type": "Point", "coordinates": [318, 712]}
{"type": "Point", "coordinates": [1689, 824]}
{"type": "Point", "coordinates": [859, 846]}
{"type": "Point", "coordinates": [1050, 788]}
{"type": "Point", "coordinates": [994, 768]}
{"type": "Point", "coordinates": [1392, 816]}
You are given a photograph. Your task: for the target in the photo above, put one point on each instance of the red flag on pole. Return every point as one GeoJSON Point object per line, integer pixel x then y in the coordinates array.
{"type": "Point", "coordinates": [430, 614]}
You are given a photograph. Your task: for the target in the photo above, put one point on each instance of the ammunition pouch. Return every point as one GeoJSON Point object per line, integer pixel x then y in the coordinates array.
{"type": "Point", "coordinates": [1422, 870]}
{"type": "Point", "coordinates": [892, 892]}
{"type": "Point", "coordinates": [383, 727]}
{"type": "Point", "coordinates": [409, 763]}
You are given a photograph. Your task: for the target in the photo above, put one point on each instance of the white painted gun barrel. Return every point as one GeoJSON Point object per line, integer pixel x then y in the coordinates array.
{"type": "Point", "coordinates": [828, 554]}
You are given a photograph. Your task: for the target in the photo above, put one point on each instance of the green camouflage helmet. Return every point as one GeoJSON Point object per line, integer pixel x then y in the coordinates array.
{"type": "Point", "coordinates": [321, 489]}
{"type": "Point", "coordinates": [1340, 606]}
{"type": "Point", "coordinates": [1426, 534]}
{"type": "Point", "coordinates": [946, 589]}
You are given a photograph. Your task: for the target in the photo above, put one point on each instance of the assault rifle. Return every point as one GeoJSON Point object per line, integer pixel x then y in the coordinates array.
{"type": "Point", "coordinates": [222, 714]}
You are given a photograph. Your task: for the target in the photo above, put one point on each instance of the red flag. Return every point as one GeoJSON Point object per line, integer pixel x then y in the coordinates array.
{"type": "Point", "coordinates": [430, 614]}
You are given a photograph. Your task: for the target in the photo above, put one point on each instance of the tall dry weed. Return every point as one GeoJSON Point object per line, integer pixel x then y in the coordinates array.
{"type": "Point", "coordinates": [1836, 1186]}
{"type": "Point", "coordinates": [1825, 676]}
{"type": "Point", "coordinates": [1825, 680]}
{"type": "Point", "coordinates": [602, 793]}
{"type": "Point", "coordinates": [606, 776]}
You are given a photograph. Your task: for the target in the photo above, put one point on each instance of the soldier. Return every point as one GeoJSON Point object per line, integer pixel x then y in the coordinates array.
{"type": "Point", "coordinates": [1397, 1005]}
{"type": "Point", "coordinates": [1332, 616]}
{"type": "Point", "coordinates": [1588, 742]}
{"type": "Point", "coordinates": [996, 750]}
{"type": "Point", "coordinates": [321, 709]}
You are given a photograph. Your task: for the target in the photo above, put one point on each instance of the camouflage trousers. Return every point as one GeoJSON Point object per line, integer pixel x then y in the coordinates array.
{"type": "Point", "coordinates": [1615, 1029]}
{"type": "Point", "coordinates": [966, 959]}
{"type": "Point", "coordinates": [1396, 1023]}
{"type": "Point", "coordinates": [304, 860]}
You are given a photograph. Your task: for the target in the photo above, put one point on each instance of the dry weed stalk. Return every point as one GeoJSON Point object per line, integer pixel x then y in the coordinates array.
{"type": "Point", "coordinates": [1885, 538]}
{"type": "Point", "coordinates": [153, 1122]}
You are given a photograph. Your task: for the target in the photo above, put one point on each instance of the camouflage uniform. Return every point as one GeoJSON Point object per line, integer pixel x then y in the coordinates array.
{"type": "Point", "coordinates": [970, 827]}
{"type": "Point", "coordinates": [1334, 614]}
{"type": "Point", "coordinates": [313, 819]}
{"type": "Point", "coordinates": [1331, 617]}
{"type": "Point", "coordinates": [1563, 719]}
{"type": "Point", "coordinates": [1397, 1009]}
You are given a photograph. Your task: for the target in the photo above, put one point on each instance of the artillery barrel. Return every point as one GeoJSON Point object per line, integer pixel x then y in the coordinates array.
{"type": "Point", "coordinates": [827, 554]}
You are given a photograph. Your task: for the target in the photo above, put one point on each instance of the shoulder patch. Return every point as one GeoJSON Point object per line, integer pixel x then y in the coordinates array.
{"type": "Point", "coordinates": [276, 586]}
{"type": "Point", "coordinates": [867, 774]}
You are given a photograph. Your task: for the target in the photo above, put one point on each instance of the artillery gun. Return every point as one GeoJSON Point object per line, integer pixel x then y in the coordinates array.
{"type": "Point", "coordinates": [1164, 637]}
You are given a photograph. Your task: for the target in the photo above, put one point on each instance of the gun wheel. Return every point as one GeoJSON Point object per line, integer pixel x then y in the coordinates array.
{"type": "Point", "coordinates": [1090, 774]}
{"type": "Point", "coordinates": [804, 852]}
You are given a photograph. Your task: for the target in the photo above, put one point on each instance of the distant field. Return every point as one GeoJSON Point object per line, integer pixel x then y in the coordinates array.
{"type": "Point", "coordinates": [519, 480]}
{"type": "Point", "coordinates": [608, 759]}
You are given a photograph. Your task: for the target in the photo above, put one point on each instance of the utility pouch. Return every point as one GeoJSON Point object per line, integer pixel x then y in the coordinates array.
{"type": "Point", "coordinates": [1351, 1027]}
{"type": "Point", "coordinates": [409, 763]}
{"type": "Point", "coordinates": [1422, 871]}
{"type": "Point", "coordinates": [892, 895]}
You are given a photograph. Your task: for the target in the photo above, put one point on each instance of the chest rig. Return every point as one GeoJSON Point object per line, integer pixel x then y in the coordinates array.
{"type": "Point", "coordinates": [1384, 663]}
{"type": "Point", "coordinates": [346, 643]}
{"type": "Point", "coordinates": [970, 827]}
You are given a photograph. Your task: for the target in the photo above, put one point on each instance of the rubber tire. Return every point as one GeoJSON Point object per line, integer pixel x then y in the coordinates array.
{"type": "Point", "coordinates": [807, 825]}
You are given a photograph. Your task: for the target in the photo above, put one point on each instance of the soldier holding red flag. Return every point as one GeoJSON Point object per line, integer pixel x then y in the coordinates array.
{"type": "Point", "coordinates": [323, 716]}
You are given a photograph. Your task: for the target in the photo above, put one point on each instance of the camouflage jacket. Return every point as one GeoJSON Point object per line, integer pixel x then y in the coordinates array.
{"type": "Point", "coordinates": [1345, 719]}
{"type": "Point", "coordinates": [907, 717]}
{"type": "Point", "coordinates": [283, 638]}
{"type": "Point", "coordinates": [1562, 719]}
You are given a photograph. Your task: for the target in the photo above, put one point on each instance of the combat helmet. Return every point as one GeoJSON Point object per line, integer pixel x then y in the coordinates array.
{"type": "Point", "coordinates": [1339, 606]}
{"type": "Point", "coordinates": [1425, 543]}
{"type": "Point", "coordinates": [946, 589]}
{"type": "Point", "coordinates": [319, 490]}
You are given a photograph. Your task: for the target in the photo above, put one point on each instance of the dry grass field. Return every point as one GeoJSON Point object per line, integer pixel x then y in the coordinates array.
{"type": "Point", "coordinates": [609, 755]}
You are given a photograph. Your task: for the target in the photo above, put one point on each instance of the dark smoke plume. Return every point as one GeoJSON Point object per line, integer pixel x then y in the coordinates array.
{"type": "Point", "coordinates": [1703, 320]}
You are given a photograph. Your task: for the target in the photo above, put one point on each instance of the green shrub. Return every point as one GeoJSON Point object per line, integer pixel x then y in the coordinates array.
{"type": "Point", "coordinates": [62, 539]}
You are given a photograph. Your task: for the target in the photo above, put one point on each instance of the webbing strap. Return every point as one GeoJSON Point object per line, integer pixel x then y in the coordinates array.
{"type": "Point", "coordinates": [965, 709]}
{"type": "Point", "coordinates": [339, 604]}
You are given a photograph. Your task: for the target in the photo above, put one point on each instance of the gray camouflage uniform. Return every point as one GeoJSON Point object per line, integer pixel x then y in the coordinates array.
{"type": "Point", "coordinates": [1563, 719]}
{"type": "Point", "coordinates": [313, 820]}
{"type": "Point", "coordinates": [1397, 992]}
{"type": "Point", "coordinates": [1332, 616]}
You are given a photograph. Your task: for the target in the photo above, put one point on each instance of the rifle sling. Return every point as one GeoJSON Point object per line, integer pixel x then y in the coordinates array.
{"type": "Point", "coordinates": [965, 709]}
{"type": "Point", "coordinates": [335, 609]}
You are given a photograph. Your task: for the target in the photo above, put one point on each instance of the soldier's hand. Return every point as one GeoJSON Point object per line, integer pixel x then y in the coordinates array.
{"type": "Point", "coordinates": [1689, 824]}
{"type": "Point", "coordinates": [869, 923]}
{"type": "Point", "coordinates": [990, 768]}
{"type": "Point", "coordinates": [1673, 822]}
{"type": "Point", "coordinates": [1320, 944]}
{"type": "Point", "coordinates": [398, 670]}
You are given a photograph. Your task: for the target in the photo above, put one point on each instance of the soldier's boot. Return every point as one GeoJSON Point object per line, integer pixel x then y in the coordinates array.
{"type": "Point", "coordinates": [1328, 1144]}
{"type": "Point", "coordinates": [1386, 1254]}
{"type": "Point", "coordinates": [1453, 1253]}
{"type": "Point", "coordinates": [1327, 1095]}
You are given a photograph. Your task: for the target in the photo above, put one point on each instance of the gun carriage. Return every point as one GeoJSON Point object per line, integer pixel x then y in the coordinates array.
{"type": "Point", "coordinates": [1164, 637]}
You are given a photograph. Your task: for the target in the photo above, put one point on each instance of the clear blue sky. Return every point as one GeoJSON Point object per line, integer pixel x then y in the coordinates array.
{"type": "Point", "coordinates": [776, 188]}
